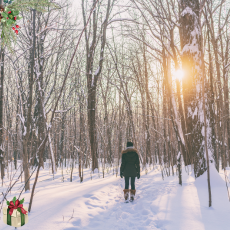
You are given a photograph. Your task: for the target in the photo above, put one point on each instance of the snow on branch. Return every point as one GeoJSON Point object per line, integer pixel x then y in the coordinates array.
{"type": "Point", "coordinates": [97, 71]}
{"type": "Point", "coordinates": [22, 119]}
{"type": "Point", "coordinates": [187, 10]}
{"type": "Point", "coordinates": [193, 46]}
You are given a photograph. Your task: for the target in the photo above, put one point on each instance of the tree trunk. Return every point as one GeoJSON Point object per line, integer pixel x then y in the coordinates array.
{"type": "Point", "coordinates": [212, 106]}
{"type": "Point", "coordinates": [120, 129]}
{"type": "Point", "coordinates": [28, 123]}
{"type": "Point", "coordinates": [92, 126]}
{"type": "Point", "coordinates": [148, 143]}
{"type": "Point", "coordinates": [81, 141]}
{"type": "Point", "coordinates": [92, 78]}
{"type": "Point", "coordinates": [192, 83]}
{"type": "Point", "coordinates": [2, 164]}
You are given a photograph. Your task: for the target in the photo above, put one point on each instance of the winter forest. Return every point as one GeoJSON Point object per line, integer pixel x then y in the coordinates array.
{"type": "Point", "coordinates": [80, 79]}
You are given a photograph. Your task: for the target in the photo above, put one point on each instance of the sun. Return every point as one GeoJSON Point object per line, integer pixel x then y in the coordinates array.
{"type": "Point", "coordinates": [178, 74]}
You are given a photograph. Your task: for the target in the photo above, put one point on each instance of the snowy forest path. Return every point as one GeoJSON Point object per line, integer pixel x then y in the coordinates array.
{"type": "Point", "coordinates": [98, 204]}
{"type": "Point", "coordinates": [113, 213]}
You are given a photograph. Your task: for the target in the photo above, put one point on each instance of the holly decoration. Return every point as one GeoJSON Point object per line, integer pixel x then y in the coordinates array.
{"type": "Point", "coordinates": [10, 17]}
{"type": "Point", "coordinates": [10, 14]}
{"type": "Point", "coordinates": [16, 31]}
{"type": "Point", "coordinates": [14, 200]}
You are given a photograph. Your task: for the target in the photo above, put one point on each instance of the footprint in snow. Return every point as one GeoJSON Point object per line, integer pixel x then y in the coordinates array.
{"type": "Point", "coordinates": [154, 209]}
{"type": "Point", "coordinates": [94, 198]}
{"type": "Point", "coordinates": [145, 212]}
{"type": "Point", "coordinates": [87, 195]}
{"type": "Point", "coordinates": [124, 215]}
{"type": "Point", "coordinates": [93, 205]}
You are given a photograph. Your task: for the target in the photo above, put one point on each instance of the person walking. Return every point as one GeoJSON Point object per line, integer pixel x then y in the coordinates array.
{"type": "Point", "coordinates": [130, 169]}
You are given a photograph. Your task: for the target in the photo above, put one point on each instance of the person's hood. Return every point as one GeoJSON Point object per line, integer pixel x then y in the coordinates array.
{"type": "Point", "coordinates": [129, 149]}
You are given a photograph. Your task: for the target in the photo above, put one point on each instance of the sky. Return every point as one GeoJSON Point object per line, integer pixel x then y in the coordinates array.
{"type": "Point", "coordinates": [77, 4]}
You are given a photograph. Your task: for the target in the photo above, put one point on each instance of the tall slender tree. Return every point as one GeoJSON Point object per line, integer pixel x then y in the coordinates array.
{"type": "Point", "coordinates": [1, 108]}
{"type": "Point", "coordinates": [92, 77]}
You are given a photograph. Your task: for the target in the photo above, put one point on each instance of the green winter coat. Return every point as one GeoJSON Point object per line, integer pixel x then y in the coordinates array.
{"type": "Point", "coordinates": [130, 164]}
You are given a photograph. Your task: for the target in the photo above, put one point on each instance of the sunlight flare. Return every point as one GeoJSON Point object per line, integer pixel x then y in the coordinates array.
{"type": "Point", "coordinates": [178, 74]}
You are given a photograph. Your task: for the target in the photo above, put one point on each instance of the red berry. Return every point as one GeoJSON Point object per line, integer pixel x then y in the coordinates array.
{"type": "Point", "coordinates": [7, 18]}
{"type": "Point", "coordinates": [13, 28]}
{"type": "Point", "coordinates": [16, 31]}
{"type": "Point", "coordinates": [17, 26]}
{"type": "Point", "coordinates": [15, 18]}
{"type": "Point", "coordinates": [9, 12]}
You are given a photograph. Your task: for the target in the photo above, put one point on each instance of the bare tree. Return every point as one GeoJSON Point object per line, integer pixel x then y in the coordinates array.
{"type": "Point", "coordinates": [92, 77]}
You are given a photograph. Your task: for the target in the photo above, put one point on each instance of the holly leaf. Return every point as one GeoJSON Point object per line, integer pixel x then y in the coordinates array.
{"type": "Point", "coordinates": [22, 201]}
{"type": "Point", "coordinates": [9, 22]}
{"type": "Point", "coordinates": [15, 12]}
{"type": "Point", "coordinates": [11, 16]}
{"type": "Point", "coordinates": [14, 199]}
{"type": "Point", "coordinates": [4, 15]}
{"type": "Point", "coordinates": [7, 202]}
{"type": "Point", "coordinates": [19, 210]}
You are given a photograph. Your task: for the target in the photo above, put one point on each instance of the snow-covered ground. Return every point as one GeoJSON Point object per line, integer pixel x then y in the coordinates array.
{"type": "Point", "coordinates": [99, 203]}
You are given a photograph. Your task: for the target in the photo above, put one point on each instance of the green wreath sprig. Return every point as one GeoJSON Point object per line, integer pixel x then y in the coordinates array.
{"type": "Point", "coordinates": [9, 16]}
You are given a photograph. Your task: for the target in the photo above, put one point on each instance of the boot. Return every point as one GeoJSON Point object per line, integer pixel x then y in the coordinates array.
{"type": "Point", "coordinates": [126, 194]}
{"type": "Point", "coordinates": [132, 194]}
